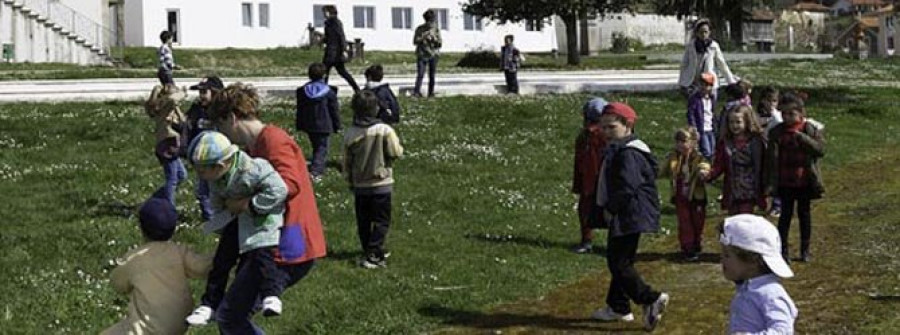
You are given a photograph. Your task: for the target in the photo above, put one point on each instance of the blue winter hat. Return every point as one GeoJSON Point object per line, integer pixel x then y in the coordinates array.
{"type": "Point", "coordinates": [593, 109]}
{"type": "Point", "coordinates": [158, 218]}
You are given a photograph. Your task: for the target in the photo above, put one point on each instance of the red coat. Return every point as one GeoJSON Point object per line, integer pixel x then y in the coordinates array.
{"type": "Point", "coordinates": [588, 159]}
{"type": "Point", "coordinates": [302, 238]}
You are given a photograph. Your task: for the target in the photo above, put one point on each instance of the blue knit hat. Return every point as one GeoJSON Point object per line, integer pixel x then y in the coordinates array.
{"type": "Point", "coordinates": [158, 218]}
{"type": "Point", "coordinates": [210, 147]}
{"type": "Point", "coordinates": [593, 109]}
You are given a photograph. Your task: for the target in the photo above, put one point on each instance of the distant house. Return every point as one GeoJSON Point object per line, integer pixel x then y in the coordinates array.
{"type": "Point", "coordinates": [802, 24]}
{"type": "Point", "coordinates": [648, 28]}
{"type": "Point", "coordinates": [888, 17]}
{"type": "Point", "coordinates": [759, 30]}
{"type": "Point", "coordinates": [864, 27]}
{"type": "Point", "coordinates": [856, 7]}
{"type": "Point", "coordinates": [257, 24]}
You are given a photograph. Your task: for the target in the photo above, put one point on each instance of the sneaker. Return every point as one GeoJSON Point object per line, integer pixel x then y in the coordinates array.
{"type": "Point", "coordinates": [805, 257]}
{"type": "Point", "coordinates": [271, 306]}
{"type": "Point", "coordinates": [607, 314]}
{"type": "Point", "coordinates": [775, 213]}
{"type": "Point", "coordinates": [200, 316]}
{"type": "Point", "coordinates": [315, 178]}
{"type": "Point", "coordinates": [692, 256]}
{"type": "Point", "coordinates": [654, 312]}
{"type": "Point", "coordinates": [372, 263]}
{"type": "Point", "coordinates": [583, 248]}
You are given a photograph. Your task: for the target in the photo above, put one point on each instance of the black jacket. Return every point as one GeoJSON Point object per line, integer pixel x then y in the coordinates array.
{"type": "Point", "coordinates": [335, 42]}
{"type": "Point", "coordinates": [318, 108]}
{"type": "Point", "coordinates": [627, 189]}
{"type": "Point", "coordinates": [388, 106]}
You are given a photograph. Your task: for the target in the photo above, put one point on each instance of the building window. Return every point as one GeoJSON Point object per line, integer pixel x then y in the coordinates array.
{"type": "Point", "coordinates": [471, 22]}
{"type": "Point", "coordinates": [364, 17]}
{"type": "Point", "coordinates": [440, 15]}
{"type": "Point", "coordinates": [534, 25]}
{"type": "Point", "coordinates": [172, 25]}
{"type": "Point", "coordinates": [890, 43]}
{"type": "Point", "coordinates": [318, 16]}
{"type": "Point", "coordinates": [247, 11]}
{"type": "Point", "coordinates": [402, 17]}
{"type": "Point", "coordinates": [264, 15]}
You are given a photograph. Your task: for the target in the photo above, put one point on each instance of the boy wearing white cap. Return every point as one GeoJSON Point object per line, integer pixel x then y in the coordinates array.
{"type": "Point", "coordinates": [232, 174]}
{"type": "Point", "coordinates": [751, 257]}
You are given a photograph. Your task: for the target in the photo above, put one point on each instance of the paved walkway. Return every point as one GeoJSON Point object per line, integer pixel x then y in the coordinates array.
{"type": "Point", "coordinates": [447, 84]}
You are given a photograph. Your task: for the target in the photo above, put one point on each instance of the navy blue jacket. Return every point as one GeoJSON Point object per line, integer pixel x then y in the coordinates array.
{"type": "Point", "coordinates": [388, 107]}
{"type": "Point", "coordinates": [318, 108]}
{"type": "Point", "coordinates": [627, 189]}
{"type": "Point", "coordinates": [198, 121]}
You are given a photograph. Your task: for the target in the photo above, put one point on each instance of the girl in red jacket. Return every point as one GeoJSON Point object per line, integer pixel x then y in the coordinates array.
{"type": "Point", "coordinates": [589, 148]}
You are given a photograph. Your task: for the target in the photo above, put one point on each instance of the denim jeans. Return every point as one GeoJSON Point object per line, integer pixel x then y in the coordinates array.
{"type": "Point", "coordinates": [243, 299]}
{"type": "Point", "coordinates": [512, 81]}
{"type": "Point", "coordinates": [165, 77]}
{"type": "Point", "coordinates": [708, 144]}
{"type": "Point", "coordinates": [175, 173]}
{"type": "Point", "coordinates": [201, 191]}
{"type": "Point", "coordinates": [421, 63]}
{"type": "Point", "coordinates": [320, 153]}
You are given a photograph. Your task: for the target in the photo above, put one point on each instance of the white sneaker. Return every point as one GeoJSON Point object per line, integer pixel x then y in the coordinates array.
{"type": "Point", "coordinates": [654, 312]}
{"type": "Point", "coordinates": [271, 306]}
{"type": "Point", "coordinates": [607, 314]}
{"type": "Point", "coordinates": [200, 316]}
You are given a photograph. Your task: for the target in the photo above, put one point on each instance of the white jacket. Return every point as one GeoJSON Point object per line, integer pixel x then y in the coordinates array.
{"type": "Point", "coordinates": [693, 64]}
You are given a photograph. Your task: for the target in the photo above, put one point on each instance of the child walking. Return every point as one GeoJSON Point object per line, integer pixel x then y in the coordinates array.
{"type": "Point", "coordinates": [249, 228]}
{"type": "Point", "coordinates": [795, 147]}
{"type": "Point", "coordinates": [700, 113]}
{"type": "Point", "coordinates": [163, 108]}
{"type": "Point", "coordinates": [750, 258]}
{"type": "Point", "coordinates": [370, 148]}
{"type": "Point", "coordinates": [318, 115]}
{"type": "Point", "coordinates": [737, 94]}
{"type": "Point", "coordinates": [510, 60]}
{"type": "Point", "coordinates": [627, 191]}
{"type": "Point", "coordinates": [155, 275]}
{"type": "Point", "coordinates": [166, 59]}
{"type": "Point", "coordinates": [769, 117]}
{"type": "Point", "coordinates": [739, 157]}
{"type": "Point", "coordinates": [589, 148]}
{"type": "Point", "coordinates": [686, 168]}
{"type": "Point", "coordinates": [388, 107]}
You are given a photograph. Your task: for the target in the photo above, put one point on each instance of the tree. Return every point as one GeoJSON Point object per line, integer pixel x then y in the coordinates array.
{"type": "Point", "coordinates": [717, 11]}
{"type": "Point", "coordinates": [536, 10]}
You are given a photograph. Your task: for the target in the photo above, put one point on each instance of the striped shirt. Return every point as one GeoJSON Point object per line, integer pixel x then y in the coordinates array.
{"type": "Point", "coordinates": [166, 59]}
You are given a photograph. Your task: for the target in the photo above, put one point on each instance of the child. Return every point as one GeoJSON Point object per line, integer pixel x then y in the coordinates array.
{"type": "Point", "coordinates": [233, 174]}
{"type": "Point", "coordinates": [589, 148]}
{"type": "Point", "coordinates": [739, 155]}
{"type": "Point", "coordinates": [370, 148]}
{"type": "Point", "coordinates": [737, 94]}
{"type": "Point", "coordinates": [166, 59]}
{"type": "Point", "coordinates": [700, 113]}
{"type": "Point", "coordinates": [795, 147]}
{"type": "Point", "coordinates": [627, 191]}
{"type": "Point", "coordinates": [162, 107]}
{"type": "Point", "coordinates": [318, 116]}
{"type": "Point", "coordinates": [750, 258]}
{"type": "Point", "coordinates": [198, 121]}
{"type": "Point", "coordinates": [388, 107]}
{"type": "Point", "coordinates": [686, 167]}
{"type": "Point", "coordinates": [510, 60]}
{"type": "Point", "coordinates": [769, 117]}
{"type": "Point", "coordinates": [155, 275]}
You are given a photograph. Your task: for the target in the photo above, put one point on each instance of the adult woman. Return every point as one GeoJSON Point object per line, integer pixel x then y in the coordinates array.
{"type": "Point", "coordinates": [235, 113]}
{"type": "Point", "coordinates": [702, 54]}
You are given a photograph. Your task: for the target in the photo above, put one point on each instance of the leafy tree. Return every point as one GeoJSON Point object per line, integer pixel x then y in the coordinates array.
{"type": "Point", "coordinates": [717, 11]}
{"type": "Point", "coordinates": [568, 10]}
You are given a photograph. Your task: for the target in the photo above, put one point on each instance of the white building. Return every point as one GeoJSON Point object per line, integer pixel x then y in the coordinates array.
{"type": "Point", "coordinates": [650, 29]}
{"type": "Point", "coordinates": [65, 31]}
{"type": "Point", "coordinates": [381, 24]}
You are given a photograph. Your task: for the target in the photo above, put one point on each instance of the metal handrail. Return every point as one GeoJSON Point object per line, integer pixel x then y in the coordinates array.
{"type": "Point", "coordinates": [93, 33]}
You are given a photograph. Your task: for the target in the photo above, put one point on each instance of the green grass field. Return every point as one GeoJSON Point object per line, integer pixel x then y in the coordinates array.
{"type": "Point", "coordinates": [482, 218]}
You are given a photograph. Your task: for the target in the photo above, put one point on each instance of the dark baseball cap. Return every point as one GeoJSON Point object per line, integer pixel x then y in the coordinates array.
{"type": "Point", "coordinates": [211, 82]}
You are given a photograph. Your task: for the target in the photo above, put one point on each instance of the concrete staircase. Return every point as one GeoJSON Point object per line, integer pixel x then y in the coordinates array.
{"type": "Point", "coordinates": [42, 31]}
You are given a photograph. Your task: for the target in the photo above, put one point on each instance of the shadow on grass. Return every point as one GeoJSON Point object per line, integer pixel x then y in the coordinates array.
{"type": "Point", "coordinates": [885, 298]}
{"type": "Point", "coordinates": [676, 257]}
{"type": "Point", "coordinates": [521, 240]}
{"type": "Point", "coordinates": [479, 320]}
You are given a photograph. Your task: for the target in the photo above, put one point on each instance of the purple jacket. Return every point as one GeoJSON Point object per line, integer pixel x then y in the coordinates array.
{"type": "Point", "coordinates": [695, 112]}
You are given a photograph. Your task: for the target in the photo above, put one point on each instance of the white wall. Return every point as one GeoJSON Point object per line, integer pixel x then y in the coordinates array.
{"type": "Point", "coordinates": [650, 29]}
{"type": "Point", "coordinates": [92, 9]}
{"type": "Point", "coordinates": [218, 24]}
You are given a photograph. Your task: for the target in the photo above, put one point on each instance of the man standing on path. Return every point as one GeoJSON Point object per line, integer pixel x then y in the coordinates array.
{"type": "Point", "coordinates": [335, 46]}
{"type": "Point", "coordinates": [428, 44]}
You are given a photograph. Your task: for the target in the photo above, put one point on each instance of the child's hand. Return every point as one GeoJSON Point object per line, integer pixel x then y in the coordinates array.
{"type": "Point", "coordinates": [704, 174]}
{"type": "Point", "coordinates": [237, 206]}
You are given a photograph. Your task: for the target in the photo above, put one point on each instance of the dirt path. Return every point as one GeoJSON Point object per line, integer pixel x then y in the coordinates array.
{"type": "Point", "coordinates": [850, 287]}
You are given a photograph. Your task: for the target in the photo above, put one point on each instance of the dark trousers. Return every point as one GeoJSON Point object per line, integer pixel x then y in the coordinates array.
{"type": "Point", "coordinates": [165, 77]}
{"type": "Point", "coordinates": [588, 216]}
{"type": "Point", "coordinates": [800, 197]}
{"type": "Point", "coordinates": [691, 219]}
{"type": "Point", "coordinates": [235, 314]}
{"type": "Point", "coordinates": [271, 283]}
{"type": "Point", "coordinates": [512, 81]}
{"type": "Point", "coordinates": [201, 191]}
{"type": "Point", "coordinates": [626, 283]}
{"type": "Point", "coordinates": [421, 64]}
{"type": "Point", "coordinates": [342, 70]}
{"type": "Point", "coordinates": [320, 153]}
{"type": "Point", "coordinates": [373, 219]}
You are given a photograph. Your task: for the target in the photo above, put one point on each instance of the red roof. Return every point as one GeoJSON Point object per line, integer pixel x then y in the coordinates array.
{"type": "Point", "coordinates": [866, 2]}
{"type": "Point", "coordinates": [809, 7]}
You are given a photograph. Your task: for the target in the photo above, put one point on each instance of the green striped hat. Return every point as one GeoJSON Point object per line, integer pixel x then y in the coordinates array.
{"type": "Point", "coordinates": [210, 147]}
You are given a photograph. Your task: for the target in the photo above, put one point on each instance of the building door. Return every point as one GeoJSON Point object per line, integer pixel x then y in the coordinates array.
{"type": "Point", "coordinates": [173, 24]}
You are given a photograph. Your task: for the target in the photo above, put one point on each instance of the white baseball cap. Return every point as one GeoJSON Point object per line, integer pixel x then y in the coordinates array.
{"type": "Point", "coordinates": [756, 234]}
